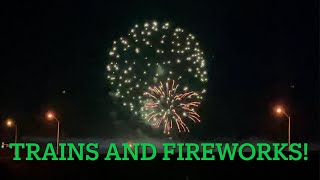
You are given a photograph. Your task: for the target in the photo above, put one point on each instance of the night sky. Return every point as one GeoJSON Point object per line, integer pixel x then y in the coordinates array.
{"type": "Point", "coordinates": [260, 53]}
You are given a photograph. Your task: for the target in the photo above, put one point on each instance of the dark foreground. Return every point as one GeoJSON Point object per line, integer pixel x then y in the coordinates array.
{"type": "Point", "coordinates": [158, 169]}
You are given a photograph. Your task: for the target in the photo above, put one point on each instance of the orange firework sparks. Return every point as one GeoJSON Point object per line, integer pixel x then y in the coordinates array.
{"type": "Point", "coordinates": [168, 107]}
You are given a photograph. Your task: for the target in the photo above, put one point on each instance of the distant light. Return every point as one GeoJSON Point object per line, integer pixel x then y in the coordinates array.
{"type": "Point", "coordinates": [279, 110]}
{"type": "Point", "coordinates": [9, 122]}
{"type": "Point", "coordinates": [130, 144]}
{"type": "Point", "coordinates": [50, 115]}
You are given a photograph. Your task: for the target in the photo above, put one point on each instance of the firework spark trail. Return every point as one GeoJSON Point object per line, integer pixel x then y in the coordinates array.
{"type": "Point", "coordinates": [153, 116]}
{"type": "Point", "coordinates": [180, 122]}
{"type": "Point", "coordinates": [168, 104]}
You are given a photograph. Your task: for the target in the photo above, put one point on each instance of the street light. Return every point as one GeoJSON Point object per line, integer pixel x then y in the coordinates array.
{"type": "Point", "coordinates": [280, 110]}
{"type": "Point", "coordinates": [51, 116]}
{"type": "Point", "coordinates": [11, 123]}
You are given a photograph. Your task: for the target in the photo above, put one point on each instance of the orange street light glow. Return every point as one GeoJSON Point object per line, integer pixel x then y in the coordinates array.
{"type": "Point", "coordinates": [279, 110]}
{"type": "Point", "coordinates": [9, 123]}
{"type": "Point", "coordinates": [50, 115]}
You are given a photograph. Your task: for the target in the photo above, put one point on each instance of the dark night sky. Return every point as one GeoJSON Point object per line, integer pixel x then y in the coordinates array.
{"type": "Point", "coordinates": [260, 48]}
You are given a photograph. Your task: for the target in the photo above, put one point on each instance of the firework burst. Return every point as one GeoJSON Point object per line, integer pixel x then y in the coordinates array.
{"type": "Point", "coordinates": [159, 56]}
{"type": "Point", "coordinates": [169, 107]}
